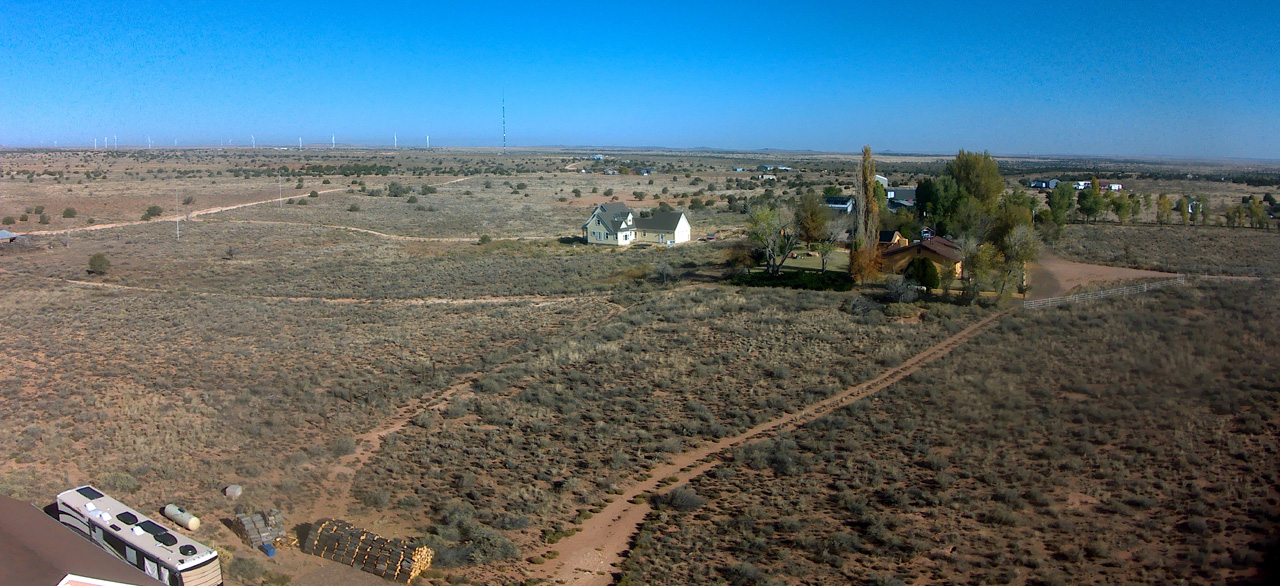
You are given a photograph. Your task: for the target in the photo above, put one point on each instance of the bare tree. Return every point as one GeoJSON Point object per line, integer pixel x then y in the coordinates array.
{"type": "Point", "coordinates": [773, 235]}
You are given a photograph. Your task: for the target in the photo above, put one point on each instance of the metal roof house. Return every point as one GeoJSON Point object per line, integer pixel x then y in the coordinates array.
{"type": "Point", "coordinates": [901, 197]}
{"type": "Point", "coordinates": [839, 204]}
{"type": "Point", "coordinates": [36, 550]}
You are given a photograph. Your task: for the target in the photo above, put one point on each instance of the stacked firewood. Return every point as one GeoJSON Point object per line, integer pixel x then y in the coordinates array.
{"type": "Point", "coordinates": [393, 559]}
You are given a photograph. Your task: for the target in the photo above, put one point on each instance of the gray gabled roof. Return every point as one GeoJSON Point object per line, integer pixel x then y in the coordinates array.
{"type": "Point", "coordinates": [661, 221]}
{"type": "Point", "coordinates": [612, 214]}
{"type": "Point", "coordinates": [5, 235]}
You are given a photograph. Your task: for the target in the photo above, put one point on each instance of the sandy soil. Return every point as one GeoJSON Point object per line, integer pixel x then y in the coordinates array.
{"type": "Point", "coordinates": [590, 557]}
{"type": "Point", "coordinates": [1051, 276]}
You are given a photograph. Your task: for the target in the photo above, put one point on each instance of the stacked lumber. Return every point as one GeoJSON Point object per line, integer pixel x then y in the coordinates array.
{"type": "Point", "coordinates": [393, 559]}
{"type": "Point", "coordinates": [260, 528]}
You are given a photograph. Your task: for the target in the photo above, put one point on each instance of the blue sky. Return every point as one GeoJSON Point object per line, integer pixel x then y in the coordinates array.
{"type": "Point", "coordinates": [1189, 79]}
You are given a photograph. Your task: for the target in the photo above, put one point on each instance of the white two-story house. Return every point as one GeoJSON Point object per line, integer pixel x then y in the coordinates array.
{"type": "Point", "coordinates": [615, 224]}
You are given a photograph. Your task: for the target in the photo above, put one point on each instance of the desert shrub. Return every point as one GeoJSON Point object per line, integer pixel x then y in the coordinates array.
{"type": "Point", "coordinates": [98, 264]}
{"type": "Point", "coordinates": [430, 189]}
{"type": "Point", "coordinates": [44, 218]}
{"type": "Point", "coordinates": [812, 281]}
{"type": "Point", "coordinates": [22, 218]}
{"type": "Point", "coordinates": [69, 213]}
{"type": "Point", "coordinates": [152, 212]}
{"type": "Point", "coordinates": [39, 210]}
{"type": "Point", "coordinates": [485, 239]}
{"type": "Point", "coordinates": [7, 220]}
{"type": "Point", "coordinates": [245, 568]}
{"type": "Point", "coordinates": [119, 481]}
{"type": "Point", "coordinates": [355, 207]}
{"type": "Point", "coordinates": [343, 446]}
{"type": "Point", "coordinates": [314, 193]}
{"type": "Point", "coordinates": [376, 498]}
{"type": "Point", "coordinates": [683, 499]}
{"type": "Point", "coordinates": [412, 199]}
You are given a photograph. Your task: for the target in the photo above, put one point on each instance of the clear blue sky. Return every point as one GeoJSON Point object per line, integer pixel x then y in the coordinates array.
{"type": "Point", "coordinates": [1174, 78]}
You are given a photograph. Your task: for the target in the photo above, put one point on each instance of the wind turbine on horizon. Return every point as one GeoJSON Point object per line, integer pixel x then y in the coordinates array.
{"type": "Point", "coordinates": [255, 140]}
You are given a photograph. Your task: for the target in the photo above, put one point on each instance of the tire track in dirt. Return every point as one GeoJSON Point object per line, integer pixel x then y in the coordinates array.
{"type": "Point", "coordinates": [190, 215]}
{"type": "Point", "coordinates": [385, 235]}
{"type": "Point", "coordinates": [591, 556]}
{"type": "Point", "coordinates": [341, 477]}
{"type": "Point", "coordinates": [536, 300]}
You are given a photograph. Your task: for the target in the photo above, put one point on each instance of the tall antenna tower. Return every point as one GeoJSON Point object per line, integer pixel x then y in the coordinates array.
{"type": "Point", "coordinates": [177, 214]}
{"type": "Point", "coordinates": [255, 140]}
{"type": "Point", "coordinates": [504, 122]}
{"type": "Point", "coordinates": [395, 140]}
{"type": "Point", "coordinates": [299, 143]}
{"type": "Point", "coordinates": [428, 142]}
{"type": "Point", "coordinates": [117, 139]}
{"type": "Point", "coordinates": [333, 141]}
{"type": "Point", "coordinates": [95, 143]}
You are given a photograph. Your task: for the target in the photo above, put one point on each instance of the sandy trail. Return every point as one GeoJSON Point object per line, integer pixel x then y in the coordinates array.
{"type": "Point", "coordinates": [591, 556]}
{"type": "Point", "coordinates": [193, 214]}
{"type": "Point", "coordinates": [1052, 276]}
{"type": "Point", "coordinates": [386, 235]}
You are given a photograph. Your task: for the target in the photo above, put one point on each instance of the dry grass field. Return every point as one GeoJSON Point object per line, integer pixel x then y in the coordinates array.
{"type": "Point", "coordinates": [1176, 249]}
{"type": "Point", "coordinates": [1127, 441]}
{"type": "Point", "coordinates": [362, 355]}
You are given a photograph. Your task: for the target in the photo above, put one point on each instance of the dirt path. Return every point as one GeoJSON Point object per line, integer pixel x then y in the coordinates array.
{"type": "Point", "coordinates": [190, 215]}
{"type": "Point", "coordinates": [591, 556]}
{"type": "Point", "coordinates": [1052, 276]}
{"type": "Point", "coordinates": [536, 300]}
{"type": "Point", "coordinates": [385, 235]}
{"type": "Point", "coordinates": [340, 477]}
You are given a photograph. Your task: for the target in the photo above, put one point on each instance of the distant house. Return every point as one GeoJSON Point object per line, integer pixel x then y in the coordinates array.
{"type": "Point", "coordinates": [738, 169]}
{"type": "Point", "coordinates": [764, 167]}
{"type": "Point", "coordinates": [767, 177]}
{"type": "Point", "coordinates": [1044, 184]}
{"type": "Point", "coordinates": [1082, 184]}
{"type": "Point", "coordinates": [615, 224]}
{"type": "Point", "coordinates": [901, 197]}
{"type": "Point", "coordinates": [944, 254]}
{"type": "Point", "coordinates": [37, 550]}
{"type": "Point", "coordinates": [1104, 186]}
{"type": "Point", "coordinates": [882, 180]}
{"type": "Point", "coordinates": [8, 236]}
{"type": "Point", "coordinates": [840, 204]}
{"type": "Point", "coordinates": [598, 157]}
{"type": "Point", "coordinates": [890, 239]}
{"type": "Point", "coordinates": [610, 171]}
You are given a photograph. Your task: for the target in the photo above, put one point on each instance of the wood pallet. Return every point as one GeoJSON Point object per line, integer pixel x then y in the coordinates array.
{"type": "Point", "coordinates": [393, 559]}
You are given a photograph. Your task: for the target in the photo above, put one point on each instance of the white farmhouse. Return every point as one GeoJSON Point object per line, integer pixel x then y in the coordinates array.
{"type": "Point", "coordinates": [615, 224]}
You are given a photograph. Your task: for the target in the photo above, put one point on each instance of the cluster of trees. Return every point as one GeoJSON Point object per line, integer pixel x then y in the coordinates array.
{"type": "Point", "coordinates": [994, 228]}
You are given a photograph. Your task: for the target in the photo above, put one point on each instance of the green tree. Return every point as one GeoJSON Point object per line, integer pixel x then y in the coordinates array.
{"type": "Point", "coordinates": [979, 176]}
{"type": "Point", "coordinates": [1090, 201]}
{"type": "Point", "coordinates": [1203, 206]}
{"type": "Point", "coordinates": [1120, 206]}
{"type": "Point", "coordinates": [1060, 203]}
{"type": "Point", "coordinates": [937, 201]}
{"type": "Point", "coordinates": [98, 264]}
{"type": "Point", "coordinates": [923, 271]}
{"type": "Point", "coordinates": [7, 220]}
{"type": "Point", "coordinates": [69, 213]}
{"type": "Point", "coordinates": [812, 217]}
{"type": "Point", "coordinates": [1184, 210]}
{"type": "Point", "coordinates": [773, 236]}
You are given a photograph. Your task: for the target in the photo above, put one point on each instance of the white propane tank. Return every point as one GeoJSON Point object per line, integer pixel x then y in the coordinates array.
{"type": "Point", "coordinates": [181, 517]}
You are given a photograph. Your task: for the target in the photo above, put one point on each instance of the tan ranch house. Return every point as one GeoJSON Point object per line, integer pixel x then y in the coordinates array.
{"type": "Point", "coordinates": [615, 224]}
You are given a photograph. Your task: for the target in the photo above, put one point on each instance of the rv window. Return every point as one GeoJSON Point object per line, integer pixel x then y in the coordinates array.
{"type": "Point", "coordinates": [167, 538]}
{"type": "Point", "coordinates": [127, 518]}
{"type": "Point", "coordinates": [89, 493]}
{"type": "Point", "coordinates": [151, 527]}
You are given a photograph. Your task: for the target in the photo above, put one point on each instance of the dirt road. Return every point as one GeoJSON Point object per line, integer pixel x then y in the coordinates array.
{"type": "Point", "coordinates": [589, 557]}
{"type": "Point", "coordinates": [1052, 276]}
{"type": "Point", "coordinates": [190, 215]}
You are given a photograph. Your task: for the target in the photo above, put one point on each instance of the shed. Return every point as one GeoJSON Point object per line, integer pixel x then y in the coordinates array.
{"type": "Point", "coordinates": [8, 236]}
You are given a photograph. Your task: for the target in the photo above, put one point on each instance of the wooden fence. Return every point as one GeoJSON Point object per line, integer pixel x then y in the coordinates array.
{"type": "Point", "coordinates": [1120, 292]}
